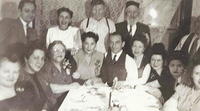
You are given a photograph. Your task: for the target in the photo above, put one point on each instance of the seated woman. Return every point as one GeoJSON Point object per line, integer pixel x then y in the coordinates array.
{"type": "Point", "coordinates": [157, 61]}
{"type": "Point", "coordinates": [10, 98]}
{"type": "Point", "coordinates": [145, 72]}
{"type": "Point", "coordinates": [186, 97]}
{"type": "Point", "coordinates": [54, 79]}
{"type": "Point", "coordinates": [89, 61]}
{"type": "Point", "coordinates": [69, 35]}
{"type": "Point", "coordinates": [98, 23]}
{"type": "Point", "coordinates": [34, 56]}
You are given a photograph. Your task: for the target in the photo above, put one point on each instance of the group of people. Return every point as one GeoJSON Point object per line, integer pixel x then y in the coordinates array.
{"type": "Point", "coordinates": [37, 77]}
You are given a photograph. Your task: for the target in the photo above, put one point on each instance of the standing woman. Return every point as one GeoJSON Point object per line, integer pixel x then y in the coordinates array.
{"type": "Point", "coordinates": [53, 77]}
{"type": "Point", "coordinates": [186, 97]}
{"type": "Point", "coordinates": [69, 35]}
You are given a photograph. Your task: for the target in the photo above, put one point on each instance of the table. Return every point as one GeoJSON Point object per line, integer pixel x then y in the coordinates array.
{"type": "Point", "coordinates": [96, 98]}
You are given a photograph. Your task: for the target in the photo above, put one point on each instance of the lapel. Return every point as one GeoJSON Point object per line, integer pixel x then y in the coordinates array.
{"type": "Point", "coordinates": [137, 28]}
{"type": "Point", "coordinates": [125, 27]}
{"type": "Point", "coordinates": [20, 27]}
{"type": "Point", "coordinates": [20, 31]}
{"type": "Point", "coordinates": [197, 53]}
{"type": "Point", "coordinates": [144, 61]}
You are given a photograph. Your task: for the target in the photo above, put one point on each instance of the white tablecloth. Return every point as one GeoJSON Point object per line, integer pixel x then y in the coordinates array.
{"type": "Point", "coordinates": [97, 99]}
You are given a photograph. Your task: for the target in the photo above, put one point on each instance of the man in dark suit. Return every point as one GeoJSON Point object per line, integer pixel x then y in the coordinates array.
{"type": "Point", "coordinates": [131, 27]}
{"type": "Point", "coordinates": [18, 30]}
{"type": "Point", "coordinates": [191, 43]}
{"type": "Point", "coordinates": [117, 64]}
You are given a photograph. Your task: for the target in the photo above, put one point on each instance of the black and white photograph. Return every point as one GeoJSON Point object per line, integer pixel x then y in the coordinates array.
{"type": "Point", "coordinates": [99, 55]}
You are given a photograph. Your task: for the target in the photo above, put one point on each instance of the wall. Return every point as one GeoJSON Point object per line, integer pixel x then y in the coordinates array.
{"type": "Point", "coordinates": [159, 23]}
{"type": "Point", "coordinates": [8, 8]}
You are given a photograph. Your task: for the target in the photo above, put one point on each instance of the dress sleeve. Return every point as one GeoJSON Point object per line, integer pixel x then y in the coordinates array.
{"type": "Point", "coordinates": [145, 75]}
{"type": "Point", "coordinates": [43, 76]}
{"type": "Point", "coordinates": [112, 26]}
{"type": "Point", "coordinates": [171, 104]}
{"type": "Point", "coordinates": [131, 68]}
{"type": "Point", "coordinates": [77, 40]}
{"type": "Point", "coordinates": [180, 44]}
{"type": "Point", "coordinates": [83, 26]}
{"type": "Point", "coordinates": [48, 38]}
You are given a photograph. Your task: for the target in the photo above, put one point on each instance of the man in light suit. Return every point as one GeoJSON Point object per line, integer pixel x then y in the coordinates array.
{"type": "Point", "coordinates": [131, 27]}
{"type": "Point", "coordinates": [18, 30]}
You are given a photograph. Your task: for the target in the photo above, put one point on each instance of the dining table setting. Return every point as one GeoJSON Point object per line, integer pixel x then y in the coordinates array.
{"type": "Point", "coordinates": [119, 97]}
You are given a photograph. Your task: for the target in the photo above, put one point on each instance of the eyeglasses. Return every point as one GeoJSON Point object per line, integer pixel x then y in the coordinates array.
{"type": "Point", "coordinates": [58, 50]}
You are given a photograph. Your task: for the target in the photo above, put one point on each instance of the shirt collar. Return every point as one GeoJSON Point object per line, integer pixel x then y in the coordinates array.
{"type": "Point", "coordinates": [117, 55]}
{"type": "Point", "coordinates": [139, 60]}
{"type": "Point", "coordinates": [25, 23]}
{"type": "Point", "coordinates": [179, 80]}
{"type": "Point", "coordinates": [97, 20]}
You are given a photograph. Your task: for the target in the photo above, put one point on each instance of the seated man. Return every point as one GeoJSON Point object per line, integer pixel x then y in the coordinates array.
{"type": "Point", "coordinates": [175, 73]}
{"type": "Point", "coordinates": [131, 27]}
{"type": "Point", "coordinates": [118, 64]}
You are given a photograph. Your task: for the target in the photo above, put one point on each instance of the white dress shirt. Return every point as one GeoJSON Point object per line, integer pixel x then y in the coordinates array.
{"type": "Point", "coordinates": [134, 27]}
{"type": "Point", "coordinates": [101, 28]}
{"type": "Point", "coordinates": [70, 37]}
{"type": "Point", "coordinates": [25, 25]}
{"type": "Point", "coordinates": [183, 40]}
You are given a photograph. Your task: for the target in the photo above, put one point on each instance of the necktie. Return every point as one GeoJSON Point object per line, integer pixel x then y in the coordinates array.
{"type": "Point", "coordinates": [28, 29]}
{"type": "Point", "coordinates": [194, 47]}
{"type": "Point", "coordinates": [114, 58]}
{"type": "Point", "coordinates": [130, 30]}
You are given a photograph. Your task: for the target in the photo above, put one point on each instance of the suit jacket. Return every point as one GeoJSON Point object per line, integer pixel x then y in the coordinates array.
{"type": "Point", "coordinates": [167, 83]}
{"type": "Point", "coordinates": [122, 29]}
{"type": "Point", "coordinates": [12, 31]}
{"type": "Point", "coordinates": [195, 58]}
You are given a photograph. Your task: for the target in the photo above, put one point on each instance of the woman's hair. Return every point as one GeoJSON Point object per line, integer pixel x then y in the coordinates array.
{"type": "Point", "coordinates": [64, 9]}
{"type": "Point", "coordinates": [178, 55]}
{"type": "Point", "coordinates": [140, 37]}
{"type": "Point", "coordinates": [11, 56]}
{"type": "Point", "coordinates": [159, 49]}
{"type": "Point", "coordinates": [31, 47]}
{"type": "Point", "coordinates": [187, 78]}
{"type": "Point", "coordinates": [51, 45]}
{"type": "Point", "coordinates": [97, 2]}
{"type": "Point", "coordinates": [23, 2]}
{"type": "Point", "coordinates": [89, 35]}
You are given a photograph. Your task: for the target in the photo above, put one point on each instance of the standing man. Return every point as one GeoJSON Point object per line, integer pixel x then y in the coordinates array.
{"type": "Point", "coordinates": [117, 63]}
{"type": "Point", "coordinates": [131, 27]}
{"type": "Point", "coordinates": [20, 29]}
{"type": "Point", "coordinates": [191, 43]}
{"type": "Point", "coordinates": [99, 24]}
